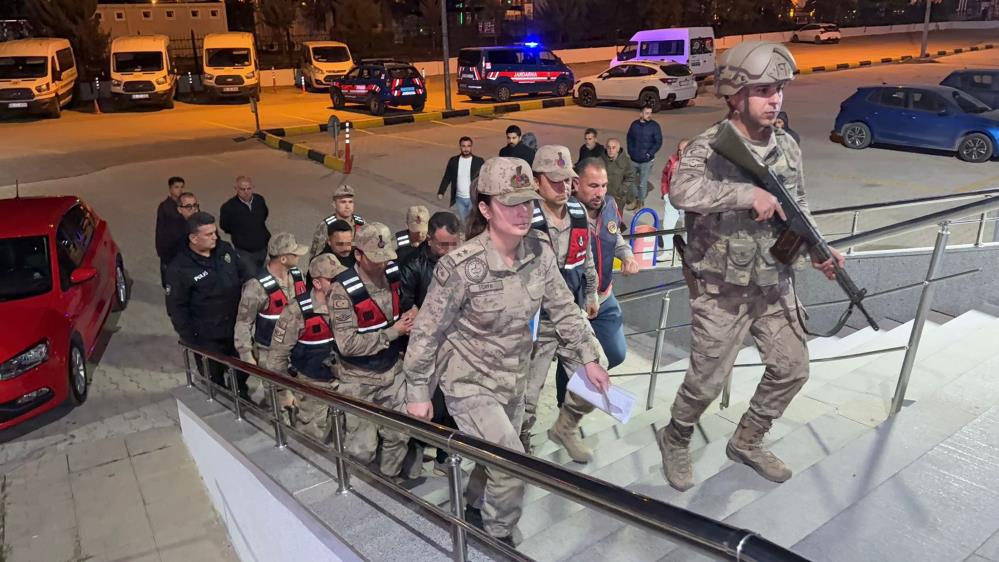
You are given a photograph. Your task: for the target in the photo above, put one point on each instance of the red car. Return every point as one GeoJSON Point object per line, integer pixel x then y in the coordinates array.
{"type": "Point", "coordinates": [61, 274]}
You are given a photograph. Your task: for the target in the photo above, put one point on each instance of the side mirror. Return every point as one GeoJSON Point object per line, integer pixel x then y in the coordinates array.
{"type": "Point", "coordinates": [943, 113]}
{"type": "Point", "coordinates": [82, 275]}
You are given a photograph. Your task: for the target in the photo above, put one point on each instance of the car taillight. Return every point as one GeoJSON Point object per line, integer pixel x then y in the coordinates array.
{"type": "Point", "coordinates": [487, 66]}
{"type": "Point", "coordinates": [419, 83]}
{"type": "Point", "coordinates": [668, 80]}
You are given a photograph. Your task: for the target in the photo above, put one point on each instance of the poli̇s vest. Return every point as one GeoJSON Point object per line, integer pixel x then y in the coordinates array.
{"type": "Point", "coordinates": [579, 239]}
{"type": "Point", "coordinates": [371, 318]}
{"type": "Point", "coordinates": [263, 326]}
{"type": "Point", "coordinates": [315, 347]}
{"type": "Point", "coordinates": [604, 242]}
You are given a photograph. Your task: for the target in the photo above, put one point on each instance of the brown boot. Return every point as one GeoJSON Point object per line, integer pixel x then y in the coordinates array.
{"type": "Point", "coordinates": [674, 446]}
{"type": "Point", "coordinates": [746, 447]}
{"type": "Point", "coordinates": [566, 433]}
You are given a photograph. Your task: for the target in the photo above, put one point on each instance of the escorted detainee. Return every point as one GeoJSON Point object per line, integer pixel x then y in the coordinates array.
{"type": "Point", "coordinates": [474, 333]}
{"type": "Point", "coordinates": [343, 209]}
{"type": "Point", "coordinates": [368, 325]}
{"type": "Point", "coordinates": [407, 241]}
{"type": "Point", "coordinates": [621, 176]}
{"type": "Point", "coordinates": [303, 346]}
{"type": "Point", "coordinates": [244, 218]}
{"type": "Point", "coordinates": [340, 242]}
{"type": "Point", "coordinates": [171, 226]}
{"type": "Point", "coordinates": [736, 286]}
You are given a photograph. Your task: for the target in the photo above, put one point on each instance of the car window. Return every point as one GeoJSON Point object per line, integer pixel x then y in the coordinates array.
{"type": "Point", "coordinates": [25, 269]}
{"type": "Point", "coordinates": [628, 52]}
{"type": "Point", "coordinates": [65, 57]}
{"type": "Point", "coordinates": [506, 56]}
{"type": "Point", "coordinates": [547, 58]}
{"type": "Point", "coordinates": [922, 100]}
{"type": "Point", "coordinates": [829, 28]}
{"type": "Point", "coordinates": [403, 73]}
{"type": "Point", "coordinates": [330, 54]}
{"type": "Point", "coordinates": [469, 57]}
{"type": "Point", "coordinates": [892, 98]}
{"type": "Point", "coordinates": [969, 104]}
{"type": "Point", "coordinates": [673, 48]}
{"type": "Point", "coordinates": [638, 70]}
{"type": "Point", "coordinates": [676, 70]}
{"type": "Point", "coordinates": [354, 73]}
{"type": "Point", "coordinates": [619, 71]}
{"type": "Point", "coordinates": [72, 239]}
{"type": "Point", "coordinates": [979, 81]}
{"type": "Point", "coordinates": [702, 46]}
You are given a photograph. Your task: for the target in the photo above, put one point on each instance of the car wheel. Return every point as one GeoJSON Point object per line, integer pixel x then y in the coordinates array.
{"type": "Point", "coordinates": [651, 99]}
{"type": "Point", "coordinates": [976, 148]}
{"type": "Point", "coordinates": [122, 292]}
{"type": "Point", "coordinates": [55, 111]}
{"type": "Point", "coordinates": [587, 96]}
{"type": "Point", "coordinates": [681, 103]}
{"type": "Point", "coordinates": [418, 107]}
{"type": "Point", "coordinates": [336, 97]}
{"type": "Point", "coordinates": [562, 89]}
{"type": "Point", "coordinates": [818, 39]}
{"type": "Point", "coordinates": [376, 106]}
{"type": "Point", "coordinates": [856, 136]}
{"type": "Point", "coordinates": [79, 383]}
{"type": "Point", "coordinates": [794, 38]}
{"type": "Point", "coordinates": [168, 104]}
{"type": "Point", "coordinates": [502, 94]}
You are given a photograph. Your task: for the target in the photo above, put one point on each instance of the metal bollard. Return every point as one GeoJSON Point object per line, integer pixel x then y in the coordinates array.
{"type": "Point", "coordinates": [211, 383]}
{"type": "Point", "coordinates": [97, 94]}
{"type": "Point", "coordinates": [234, 388]}
{"type": "Point", "coordinates": [348, 160]}
{"type": "Point", "coordinates": [854, 228]}
{"type": "Point", "coordinates": [980, 237]}
{"type": "Point", "coordinates": [342, 474]}
{"type": "Point", "coordinates": [459, 542]}
{"type": "Point", "coordinates": [279, 437]}
{"type": "Point", "coordinates": [657, 352]}
{"type": "Point", "coordinates": [187, 368]}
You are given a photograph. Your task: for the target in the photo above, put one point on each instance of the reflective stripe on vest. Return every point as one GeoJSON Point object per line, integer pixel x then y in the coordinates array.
{"type": "Point", "coordinates": [263, 326]}
{"type": "Point", "coordinates": [358, 221]}
{"type": "Point", "coordinates": [402, 238]}
{"type": "Point", "coordinates": [315, 344]}
{"type": "Point", "coordinates": [371, 318]}
{"type": "Point", "coordinates": [579, 235]}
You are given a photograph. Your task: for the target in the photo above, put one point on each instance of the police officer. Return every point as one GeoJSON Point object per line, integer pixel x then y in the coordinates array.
{"type": "Point", "coordinates": [407, 241]}
{"type": "Point", "coordinates": [368, 323]}
{"type": "Point", "coordinates": [737, 286]}
{"type": "Point", "coordinates": [564, 220]}
{"type": "Point", "coordinates": [266, 296]}
{"type": "Point", "coordinates": [202, 293]}
{"type": "Point", "coordinates": [475, 332]}
{"type": "Point", "coordinates": [343, 209]}
{"type": "Point", "coordinates": [303, 344]}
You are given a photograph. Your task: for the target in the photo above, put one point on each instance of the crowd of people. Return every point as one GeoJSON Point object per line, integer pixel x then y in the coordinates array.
{"type": "Point", "coordinates": [458, 317]}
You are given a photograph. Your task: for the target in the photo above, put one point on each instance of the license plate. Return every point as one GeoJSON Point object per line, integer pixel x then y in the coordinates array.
{"type": "Point", "coordinates": [140, 96]}
{"type": "Point", "coordinates": [230, 89]}
{"type": "Point", "coordinates": [408, 91]}
{"type": "Point", "coordinates": [17, 105]}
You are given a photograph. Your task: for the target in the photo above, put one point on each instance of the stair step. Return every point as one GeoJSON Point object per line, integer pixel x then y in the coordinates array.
{"type": "Point", "coordinates": [940, 507]}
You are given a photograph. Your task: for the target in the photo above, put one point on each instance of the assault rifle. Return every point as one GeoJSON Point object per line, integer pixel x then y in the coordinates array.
{"type": "Point", "coordinates": [797, 231]}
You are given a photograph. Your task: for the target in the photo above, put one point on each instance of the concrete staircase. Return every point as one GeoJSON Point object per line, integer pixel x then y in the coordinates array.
{"type": "Point", "coordinates": [923, 485]}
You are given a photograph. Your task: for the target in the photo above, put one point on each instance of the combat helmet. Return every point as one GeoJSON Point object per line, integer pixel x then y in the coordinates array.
{"type": "Point", "coordinates": [753, 63]}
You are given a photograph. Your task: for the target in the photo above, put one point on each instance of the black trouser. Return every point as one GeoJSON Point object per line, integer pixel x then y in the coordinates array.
{"type": "Point", "coordinates": [254, 261]}
{"type": "Point", "coordinates": [215, 370]}
{"type": "Point", "coordinates": [163, 269]}
{"type": "Point", "coordinates": [443, 417]}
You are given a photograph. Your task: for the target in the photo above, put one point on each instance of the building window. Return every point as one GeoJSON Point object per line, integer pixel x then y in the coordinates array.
{"type": "Point", "coordinates": [147, 14]}
{"type": "Point", "coordinates": [100, 16]}
{"type": "Point", "coordinates": [195, 14]}
{"type": "Point", "coordinates": [214, 13]}
{"type": "Point", "coordinates": [119, 16]}
{"type": "Point", "coordinates": [170, 14]}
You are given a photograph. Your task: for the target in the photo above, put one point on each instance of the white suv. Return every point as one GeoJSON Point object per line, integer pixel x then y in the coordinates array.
{"type": "Point", "coordinates": [817, 33]}
{"type": "Point", "coordinates": [644, 82]}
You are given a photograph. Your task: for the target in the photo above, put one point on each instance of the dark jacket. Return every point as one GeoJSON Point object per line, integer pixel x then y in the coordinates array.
{"type": "Point", "coordinates": [171, 230]}
{"type": "Point", "coordinates": [202, 293]}
{"type": "Point", "coordinates": [521, 150]}
{"type": "Point", "coordinates": [597, 152]}
{"type": "Point", "coordinates": [246, 226]}
{"type": "Point", "coordinates": [787, 127]}
{"type": "Point", "coordinates": [417, 272]}
{"type": "Point", "coordinates": [451, 175]}
{"type": "Point", "coordinates": [644, 140]}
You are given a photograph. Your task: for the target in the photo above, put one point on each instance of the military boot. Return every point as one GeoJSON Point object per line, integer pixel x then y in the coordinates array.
{"type": "Point", "coordinates": [746, 447]}
{"type": "Point", "coordinates": [674, 446]}
{"type": "Point", "coordinates": [566, 433]}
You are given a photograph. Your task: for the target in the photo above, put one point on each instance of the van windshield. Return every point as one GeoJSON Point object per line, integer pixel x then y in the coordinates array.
{"type": "Point", "coordinates": [217, 58]}
{"type": "Point", "coordinates": [469, 57]}
{"type": "Point", "coordinates": [25, 270]}
{"type": "Point", "coordinates": [628, 52]}
{"type": "Point", "coordinates": [142, 61]}
{"type": "Point", "coordinates": [23, 67]}
{"type": "Point", "coordinates": [330, 54]}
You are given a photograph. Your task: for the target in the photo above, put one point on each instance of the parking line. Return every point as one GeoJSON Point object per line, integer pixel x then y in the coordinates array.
{"type": "Point", "coordinates": [299, 118]}
{"type": "Point", "coordinates": [230, 127]}
{"type": "Point", "coordinates": [443, 123]}
{"type": "Point", "coordinates": [359, 130]}
{"type": "Point", "coordinates": [400, 137]}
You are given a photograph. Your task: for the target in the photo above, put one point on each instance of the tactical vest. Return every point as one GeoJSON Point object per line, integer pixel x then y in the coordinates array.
{"type": "Point", "coordinates": [731, 246]}
{"type": "Point", "coordinates": [371, 318]}
{"type": "Point", "coordinates": [358, 221]}
{"type": "Point", "coordinates": [402, 238]}
{"type": "Point", "coordinates": [579, 239]}
{"type": "Point", "coordinates": [315, 347]}
{"type": "Point", "coordinates": [263, 326]}
{"type": "Point", "coordinates": [603, 244]}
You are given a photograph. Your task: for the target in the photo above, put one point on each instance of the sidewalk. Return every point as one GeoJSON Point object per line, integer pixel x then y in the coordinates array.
{"type": "Point", "coordinates": [136, 498]}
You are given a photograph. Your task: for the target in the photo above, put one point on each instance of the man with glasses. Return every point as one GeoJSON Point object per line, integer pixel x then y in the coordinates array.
{"type": "Point", "coordinates": [171, 228]}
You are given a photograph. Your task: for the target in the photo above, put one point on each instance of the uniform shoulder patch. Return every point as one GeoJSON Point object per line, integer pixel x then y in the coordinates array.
{"type": "Point", "coordinates": [463, 253]}
{"type": "Point", "coordinates": [443, 270]}
{"type": "Point", "coordinates": [612, 226]}
{"type": "Point", "coordinates": [340, 303]}
{"type": "Point", "coordinates": [476, 269]}
{"type": "Point", "coordinates": [279, 332]}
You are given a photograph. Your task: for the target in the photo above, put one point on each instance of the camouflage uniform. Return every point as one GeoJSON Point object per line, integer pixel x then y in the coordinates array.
{"type": "Point", "coordinates": [385, 388]}
{"type": "Point", "coordinates": [321, 236]}
{"type": "Point", "coordinates": [474, 333]}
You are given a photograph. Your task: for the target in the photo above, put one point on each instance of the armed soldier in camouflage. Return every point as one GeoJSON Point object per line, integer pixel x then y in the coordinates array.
{"type": "Point", "coordinates": [476, 328]}
{"type": "Point", "coordinates": [343, 209]}
{"type": "Point", "coordinates": [736, 285]}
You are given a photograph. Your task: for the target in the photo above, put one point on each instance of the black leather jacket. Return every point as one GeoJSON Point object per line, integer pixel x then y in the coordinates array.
{"type": "Point", "coordinates": [417, 272]}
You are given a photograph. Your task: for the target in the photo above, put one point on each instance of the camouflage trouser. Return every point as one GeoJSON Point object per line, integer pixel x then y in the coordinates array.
{"type": "Point", "coordinates": [501, 495]}
{"type": "Point", "coordinates": [361, 440]}
{"type": "Point", "coordinates": [544, 352]}
{"type": "Point", "coordinates": [721, 316]}
{"type": "Point", "coordinates": [313, 416]}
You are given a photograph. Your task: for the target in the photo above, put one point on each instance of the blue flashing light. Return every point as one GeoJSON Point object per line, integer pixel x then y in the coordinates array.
{"type": "Point", "coordinates": [531, 44]}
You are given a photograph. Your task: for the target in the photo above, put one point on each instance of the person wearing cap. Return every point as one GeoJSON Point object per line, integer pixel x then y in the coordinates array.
{"type": "Point", "coordinates": [265, 296]}
{"type": "Point", "coordinates": [407, 241]}
{"type": "Point", "coordinates": [368, 324]}
{"type": "Point", "coordinates": [563, 219]}
{"type": "Point", "coordinates": [475, 332]}
{"type": "Point", "coordinates": [303, 346]}
{"type": "Point", "coordinates": [343, 209]}
{"type": "Point", "coordinates": [736, 286]}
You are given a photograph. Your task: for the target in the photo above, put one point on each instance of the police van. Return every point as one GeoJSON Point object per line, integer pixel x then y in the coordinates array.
{"type": "Point", "coordinates": [141, 73]}
{"type": "Point", "coordinates": [36, 76]}
{"type": "Point", "coordinates": [692, 46]}
{"type": "Point", "coordinates": [322, 62]}
{"type": "Point", "coordinates": [229, 65]}
{"type": "Point", "coordinates": [500, 72]}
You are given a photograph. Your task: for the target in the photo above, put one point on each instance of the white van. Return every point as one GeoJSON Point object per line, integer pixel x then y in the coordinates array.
{"type": "Point", "coordinates": [229, 65]}
{"type": "Point", "coordinates": [692, 46]}
{"type": "Point", "coordinates": [141, 72]}
{"type": "Point", "coordinates": [36, 76]}
{"type": "Point", "coordinates": [323, 62]}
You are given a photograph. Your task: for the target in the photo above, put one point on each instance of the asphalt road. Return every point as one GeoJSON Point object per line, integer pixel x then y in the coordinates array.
{"type": "Point", "coordinates": [395, 167]}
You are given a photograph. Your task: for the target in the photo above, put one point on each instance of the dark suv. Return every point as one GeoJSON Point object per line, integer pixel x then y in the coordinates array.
{"type": "Point", "coordinates": [500, 72]}
{"type": "Point", "coordinates": [379, 84]}
{"type": "Point", "coordinates": [981, 83]}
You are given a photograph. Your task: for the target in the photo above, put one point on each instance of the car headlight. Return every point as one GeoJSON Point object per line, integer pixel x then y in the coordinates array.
{"type": "Point", "coordinates": [209, 77]}
{"type": "Point", "coordinates": [161, 80]}
{"type": "Point", "coordinates": [43, 88]}
{"type": "Point", "coordinates": [28, 359]}
{"type": "Point", "coordinates": [251, 75]}
{"type": "Point", "coordinates": [116, 83]}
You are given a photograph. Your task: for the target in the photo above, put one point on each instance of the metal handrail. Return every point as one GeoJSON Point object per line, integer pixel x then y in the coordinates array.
{"type": "Point", "coordinates": [906, 226]}
{"type": "Point", "coordinates": [707, 535]}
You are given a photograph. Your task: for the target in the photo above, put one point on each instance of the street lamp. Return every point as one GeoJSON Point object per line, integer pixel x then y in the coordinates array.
{"type": "Point", "coordinates": [923, 52]}
{"type": "Point", "coordinates": [447, 65]}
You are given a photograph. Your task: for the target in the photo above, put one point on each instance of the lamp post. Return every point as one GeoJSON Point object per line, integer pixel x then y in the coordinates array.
{"type": "Point", "coordinates": [447, 57]}
{"type": "Point", "coordinates": [923, 51]}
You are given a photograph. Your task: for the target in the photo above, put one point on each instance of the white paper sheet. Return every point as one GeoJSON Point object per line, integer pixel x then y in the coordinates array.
{"type": "Point", "coordinates": [618, 403]}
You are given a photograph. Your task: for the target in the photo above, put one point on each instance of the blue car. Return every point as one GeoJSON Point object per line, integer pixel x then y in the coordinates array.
{"type": "Point", "coordinates": [378, 84]}
{"type": "Point", "coordinates": [981, 83]}
{"type": "Point", "coordinates": [927, 117]}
